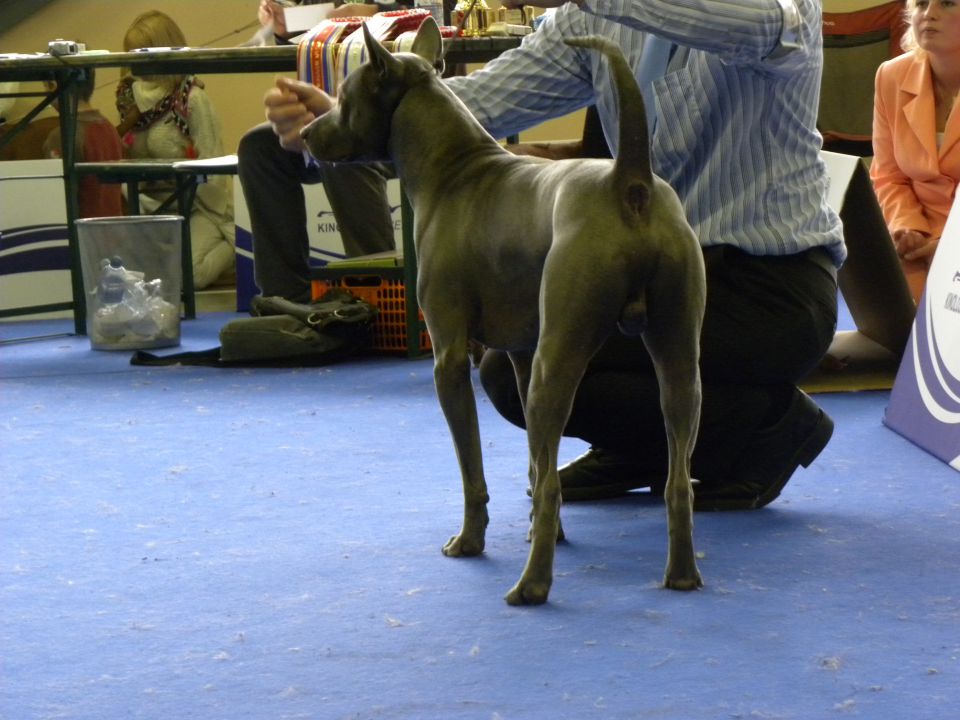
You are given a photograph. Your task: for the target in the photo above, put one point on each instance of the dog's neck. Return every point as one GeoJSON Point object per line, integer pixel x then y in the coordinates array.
{"type": "Point", "coordinates": [431, 128]}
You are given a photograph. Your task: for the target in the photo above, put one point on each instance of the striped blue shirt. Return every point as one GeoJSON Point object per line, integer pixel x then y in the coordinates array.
{"type": "Point", "coordinates": [736, 111]}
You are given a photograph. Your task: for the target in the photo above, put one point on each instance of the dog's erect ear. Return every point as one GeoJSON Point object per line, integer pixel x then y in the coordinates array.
{"type": "Point", "coordinates": [380, 57]}
{"type": "Point", "coordinates": [428, 44]}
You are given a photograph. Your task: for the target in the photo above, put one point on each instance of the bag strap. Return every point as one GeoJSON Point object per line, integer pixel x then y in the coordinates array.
{"type": "Point", "coordinates": [205, 358]}
{"type": "Point", "coordinates": [334, 306]}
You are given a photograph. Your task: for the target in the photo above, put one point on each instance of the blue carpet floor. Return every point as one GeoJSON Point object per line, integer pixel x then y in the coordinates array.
{"type": "Point", "coordinates": [206, 543]}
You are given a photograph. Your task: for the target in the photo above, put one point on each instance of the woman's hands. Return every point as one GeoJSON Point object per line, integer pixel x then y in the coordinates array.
{"type": "Point", "coordinates": [126, 106]}
{"type": "Point", "coordinates": [354, 10]}
{"type": "Point", "coordinates": [512, 4]}
{"type": "Point", "coordinates": [124, 96]}
{"type": "Point", "coordinates": [270, 12]}
{"type": "Point", "coordinates": [914, 245]}
{"type": "Point", "coordinates": [291, 106]}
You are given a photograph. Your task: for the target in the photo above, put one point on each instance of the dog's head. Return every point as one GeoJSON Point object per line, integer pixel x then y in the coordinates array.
{"type": "Point", "coordinates": [358, 127]}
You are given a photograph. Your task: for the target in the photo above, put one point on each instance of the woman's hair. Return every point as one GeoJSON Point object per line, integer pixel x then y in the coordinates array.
{"type": "Point", "coordinates": [909, 40]}
{"type": "Point", "coordinates": [84, 84]}
{"type": "Point", "coordinates": [155, 29]}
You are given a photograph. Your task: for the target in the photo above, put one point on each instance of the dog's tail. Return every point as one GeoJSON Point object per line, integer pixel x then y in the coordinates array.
{"type": "Point", "coordinates": [633, 175]}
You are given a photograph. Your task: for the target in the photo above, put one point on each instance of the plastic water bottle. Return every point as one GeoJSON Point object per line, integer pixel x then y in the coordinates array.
{"type": "Point", "coordinates": [434, 6]}
{"type": "Point", "coordinates": [112, 281]}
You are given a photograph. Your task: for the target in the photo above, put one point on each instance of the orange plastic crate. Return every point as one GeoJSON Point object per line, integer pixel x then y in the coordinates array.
{"type": "Point", "coordinates": [390, 324]}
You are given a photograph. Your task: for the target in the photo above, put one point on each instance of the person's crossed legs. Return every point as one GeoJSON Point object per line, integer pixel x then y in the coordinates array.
{"type": "Point", "coordinates": [272, 180]}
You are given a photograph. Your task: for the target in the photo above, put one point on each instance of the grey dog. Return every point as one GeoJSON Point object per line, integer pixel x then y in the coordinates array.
{"type": "Point", "coordinates": [543, 259]}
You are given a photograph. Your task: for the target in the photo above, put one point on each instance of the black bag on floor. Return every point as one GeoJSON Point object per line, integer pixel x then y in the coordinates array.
{"type": "Point", "coordinates": [284, 334]}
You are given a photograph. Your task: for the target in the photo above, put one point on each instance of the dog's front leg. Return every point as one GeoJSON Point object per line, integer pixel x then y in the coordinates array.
{"type": "Point", "coordinates": [452, 378]}
{"type": "Point", "coordinates": [521, 371]}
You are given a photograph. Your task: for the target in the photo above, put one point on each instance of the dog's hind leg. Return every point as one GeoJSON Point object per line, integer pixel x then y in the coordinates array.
{"type": "Point", "coordinates": [673, 341]}
{"type": "Point", "coordinates": [575, 320]}
{"type": "Point", "coordinates": [454, 389]}
{"type": "Point", "coordinates": [553, 384]}
{"type": "Point", "coordinates": [543, 433]}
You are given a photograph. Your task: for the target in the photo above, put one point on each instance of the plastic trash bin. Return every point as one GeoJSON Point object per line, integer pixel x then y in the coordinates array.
{"type": "Point", "coordinates": [132, 278]}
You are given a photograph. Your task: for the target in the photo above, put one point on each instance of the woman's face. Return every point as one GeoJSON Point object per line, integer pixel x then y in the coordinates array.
{"type": "Point", "coordinates": [936, 25]}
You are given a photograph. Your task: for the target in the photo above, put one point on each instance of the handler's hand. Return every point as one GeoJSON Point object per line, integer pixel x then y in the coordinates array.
{"type": "Point", "coordinates": [290, 106]}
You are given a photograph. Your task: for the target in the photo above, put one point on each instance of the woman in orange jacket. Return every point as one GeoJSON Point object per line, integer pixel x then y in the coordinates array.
{"type": "Point", "coordinates": [916, 135]}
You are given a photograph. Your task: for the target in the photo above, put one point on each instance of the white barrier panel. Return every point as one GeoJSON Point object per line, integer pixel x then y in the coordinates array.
{"type": "Point", "coordinates": [925, 400]}
{"type": "Point", "coordinates": [871, 280]}
{"type": "Point", "coordinates": [840, 169]}
{"type": "Point", "coordinates": [34, 246]}
{"type": "Point", "coordinates": [322, 230]}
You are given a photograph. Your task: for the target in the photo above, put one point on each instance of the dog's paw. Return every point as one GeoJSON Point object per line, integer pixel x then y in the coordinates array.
{"type": "Point", "coordinates": [682, 581]}
{"type": "Point", "coordinates": [463, 546]}
{"type": "Point", "coordinates": [528, 593]}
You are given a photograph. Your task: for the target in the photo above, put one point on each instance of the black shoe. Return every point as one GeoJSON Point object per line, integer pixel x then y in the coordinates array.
{"type": "Point", "coordinates": [599, 474]}
{"type": "Point", "coordinates": [770, 458]}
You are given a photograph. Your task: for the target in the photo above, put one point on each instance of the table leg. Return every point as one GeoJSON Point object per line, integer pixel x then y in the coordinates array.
{"type": "Point", "coordinates": [66, 87]}
{"type": "Point", "coordinates": [186, 193]}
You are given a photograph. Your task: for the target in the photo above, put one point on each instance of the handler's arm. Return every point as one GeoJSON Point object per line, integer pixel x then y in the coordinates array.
{"type": "Point", "coordinates": [290, 106]}
{"type": "Point", "coordinates": [543, 78]}
{"type": "Point", "coordinates": [773, 32]}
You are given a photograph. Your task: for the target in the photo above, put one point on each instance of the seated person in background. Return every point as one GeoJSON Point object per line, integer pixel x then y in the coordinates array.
{"type": "Point", "coordinates": [743, 154]}
{"type": "Point", "coordinates": [171, 117]}
{"type": "Point", "coordinates": [27, 143]}
{"type": "Point", "coordinates": [274, 27]}
{"type": "Point", "coordinates": [96, 141]}
{"type": "Point", "coordinates": [272, 180]}
{"type": "Point", "coordinates": [916, 135]}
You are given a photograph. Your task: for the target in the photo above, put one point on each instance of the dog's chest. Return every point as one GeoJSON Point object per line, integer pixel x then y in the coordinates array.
{"type": "Point", "coordinates": [492, 291]}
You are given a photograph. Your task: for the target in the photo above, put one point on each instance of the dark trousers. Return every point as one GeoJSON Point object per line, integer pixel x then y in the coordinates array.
{"type": "Point", "coordinates": [769, 320]}
{"type": "Point", "coordinates": [272, 180]}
